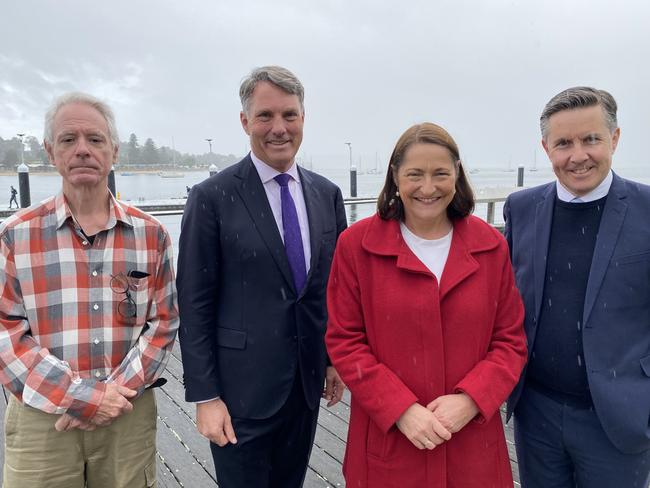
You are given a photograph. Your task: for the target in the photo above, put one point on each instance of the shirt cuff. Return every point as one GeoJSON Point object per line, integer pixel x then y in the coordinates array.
{"type": "Point", "coordinates": [206, 401]}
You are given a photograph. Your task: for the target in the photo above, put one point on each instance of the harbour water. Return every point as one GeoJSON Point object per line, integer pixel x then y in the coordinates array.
{"type": "Point", "coordinates": [143, 187]}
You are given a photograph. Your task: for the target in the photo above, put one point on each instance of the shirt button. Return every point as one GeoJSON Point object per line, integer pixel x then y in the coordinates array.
{"type": "Point", "coordinates": [96, 341]}
{"type": "Point", "coordinates": [95, 273]}
{"type": "Point", "coordinates": [95, 307]}
{"type": "Point", "coordinates": [97, 374]}
{"type": "Point", "coordinates": [85, 243]}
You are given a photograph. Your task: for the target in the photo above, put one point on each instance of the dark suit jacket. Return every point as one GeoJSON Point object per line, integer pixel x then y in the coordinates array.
{"type": "Point", "coordinates": [616, 317]}
{"type": "Point", "coordinates": [244, 328]}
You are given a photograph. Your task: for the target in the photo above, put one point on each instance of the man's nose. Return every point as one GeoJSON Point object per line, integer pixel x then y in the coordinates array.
{"type": "Point", "coordinates": [279, 126]}
{"type": "Point", "coordinates": [579, 154]}
{"type": "Point", "coordinates": [82, 148]}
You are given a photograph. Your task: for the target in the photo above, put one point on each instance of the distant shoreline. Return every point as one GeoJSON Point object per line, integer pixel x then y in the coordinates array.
{"type": "Point", "coordinates": [117, 171]}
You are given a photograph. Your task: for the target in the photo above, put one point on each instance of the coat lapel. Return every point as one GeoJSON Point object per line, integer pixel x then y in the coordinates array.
{"type": "Point", "coordinates": [253, 195]}
{"type": "Point", "coordinates": [460, 263]}
{"type": "Point", "coordinates": [543, 221]}
{"type": "Point", "coordinates": [314, 204]}
{"type": "Point", "coordinates": [610, 227]}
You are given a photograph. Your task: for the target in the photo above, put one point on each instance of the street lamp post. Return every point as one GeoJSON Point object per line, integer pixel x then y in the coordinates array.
{"type": "Point", "coordinates": [349, 144]}
{"type": "Point", "coordinates": [353, 173]}
{"type": "Point", "coordinates": [22, 148]}
{"type": "Point", "coordinates": [23, 176]}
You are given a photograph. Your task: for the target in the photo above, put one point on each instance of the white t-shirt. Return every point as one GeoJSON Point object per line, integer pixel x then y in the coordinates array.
{"type": "Point", "coordinates": [432, 252]}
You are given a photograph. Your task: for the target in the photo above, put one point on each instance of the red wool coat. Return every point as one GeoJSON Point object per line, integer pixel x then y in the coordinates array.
{"type": "Point", "coordinates": [396, 338]}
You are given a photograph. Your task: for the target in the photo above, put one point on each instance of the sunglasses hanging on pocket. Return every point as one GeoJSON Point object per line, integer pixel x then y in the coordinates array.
{"type": "Point", "coordinates": [122, 284]}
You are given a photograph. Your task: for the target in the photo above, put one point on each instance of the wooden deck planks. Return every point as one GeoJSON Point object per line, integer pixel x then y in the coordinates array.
{"type": "Point", "coordinates": [184, 458]}
{"type": "Point", "coordinates": [3, 408]}
{"type": "Point", "coordinates": [329, 445]}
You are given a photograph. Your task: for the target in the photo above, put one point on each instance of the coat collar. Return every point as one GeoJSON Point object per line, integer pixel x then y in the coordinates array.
{"type": "Point", "coordinates": [471, 236]}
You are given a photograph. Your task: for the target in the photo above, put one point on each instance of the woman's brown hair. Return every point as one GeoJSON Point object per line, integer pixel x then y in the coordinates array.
{"type": "Point", "coordinates": [390, 206]}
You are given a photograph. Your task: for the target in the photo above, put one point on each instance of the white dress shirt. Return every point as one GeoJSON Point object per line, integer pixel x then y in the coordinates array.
{"type": "Point", "coordinates": [272, 189]}
{"type": "Point", "coordinates": [596, 194]}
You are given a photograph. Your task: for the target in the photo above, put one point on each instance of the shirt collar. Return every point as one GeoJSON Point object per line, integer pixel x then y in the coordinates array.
{"type": "Point", "coordinates": [267, 173]}
{"type": "Point", "coordinates": [596, 194]}
{"type": "Point", "coordinates": [116, 212]}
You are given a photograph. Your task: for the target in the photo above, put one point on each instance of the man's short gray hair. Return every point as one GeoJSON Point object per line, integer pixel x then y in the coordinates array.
{"type": "Point", "coordinates": [279, 76]}
{"type": "Point", "coordinates": [580, 97]}
{"type": "Point", "coordinates": [79, 97]}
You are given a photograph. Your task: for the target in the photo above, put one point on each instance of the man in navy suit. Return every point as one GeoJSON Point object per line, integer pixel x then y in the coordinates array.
{"type": "Point", "coordinates": [580, 247]}
{"type": "Point", "coordinates": [256, 245]}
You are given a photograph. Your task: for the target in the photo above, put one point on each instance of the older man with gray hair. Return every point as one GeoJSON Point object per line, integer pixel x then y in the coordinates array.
{"type": "Point", "coordinates": [256, 245]}
{"type": "Point", "coordinates": [580, 248]}
{"type": "Point", "coordinates": [88, 317]}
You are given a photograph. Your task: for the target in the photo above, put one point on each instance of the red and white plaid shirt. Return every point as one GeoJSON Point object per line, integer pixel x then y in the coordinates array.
{"type": "Point", "coordinates": [62, 337]}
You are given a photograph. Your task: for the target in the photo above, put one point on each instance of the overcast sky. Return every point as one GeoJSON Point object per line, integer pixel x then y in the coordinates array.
{"type": "Point", "coordinates": [482, 69]}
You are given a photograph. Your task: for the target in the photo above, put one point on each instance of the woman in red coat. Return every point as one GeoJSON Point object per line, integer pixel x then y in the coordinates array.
{"type": "Point", "coordinates": [425, 328]}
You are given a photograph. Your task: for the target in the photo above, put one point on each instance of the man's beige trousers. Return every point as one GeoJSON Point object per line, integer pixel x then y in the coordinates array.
{"type": "Point", "coordinates": [121, 455]}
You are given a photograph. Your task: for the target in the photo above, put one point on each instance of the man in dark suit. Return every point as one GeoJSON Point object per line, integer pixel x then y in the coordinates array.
{"type": "Point", "coordinates": [580, 247]}
{"type": "Point", "coordinates": [256, 245]}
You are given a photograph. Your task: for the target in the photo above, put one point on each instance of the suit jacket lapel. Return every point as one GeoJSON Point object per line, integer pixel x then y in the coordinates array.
{"type": "Point", "coordinates": [608, 232]}
{"type": "Point", "coordinates": [314, 204]}
{"type": "Point", "coordinates": [543, 220]}
{"type": "Point", "coordinates": [254, 197]}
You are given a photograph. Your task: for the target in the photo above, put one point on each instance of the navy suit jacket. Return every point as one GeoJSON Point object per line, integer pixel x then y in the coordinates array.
{"type": "Point", "coordinates": [245, 329]}
{"type": "Point", "coordinates": [616, 316]}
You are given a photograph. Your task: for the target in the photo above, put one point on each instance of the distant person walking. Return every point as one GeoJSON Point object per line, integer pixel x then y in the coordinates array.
{"type": "Point", "coordinates": [13, 199]}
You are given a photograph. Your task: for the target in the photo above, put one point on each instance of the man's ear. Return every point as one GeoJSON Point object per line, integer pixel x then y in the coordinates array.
{"type": "Point", "coordinates": [243, 118]}
{"type": "Point", "coordinates": [50, 152]}
{"type": "Point", "coordinates": [545, 146]}
{"type": "Point", "coordinates": [615, 136]}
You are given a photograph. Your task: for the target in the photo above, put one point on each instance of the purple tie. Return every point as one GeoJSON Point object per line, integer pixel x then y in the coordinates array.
{"type": "Point", "coordinates": [292, 236]}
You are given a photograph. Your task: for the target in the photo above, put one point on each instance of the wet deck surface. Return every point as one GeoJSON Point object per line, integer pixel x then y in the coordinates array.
{"type": "Point", "coordinates": [184, 458]}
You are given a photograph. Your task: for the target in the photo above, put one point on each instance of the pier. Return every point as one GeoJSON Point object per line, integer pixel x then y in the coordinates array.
{"type": "Point", "coordinates": [184, 458]}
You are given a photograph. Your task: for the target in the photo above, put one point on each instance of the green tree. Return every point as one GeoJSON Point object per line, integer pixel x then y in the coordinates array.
{"type": "Point", "coordinates": [165, 155]}
{"type": "Point", "coordinates": [149, 152]}
{"type": "Point", "coordinates": [36, 150]}
{"type": "Point", "coordinates": [11, 158]}
{"type": "Point", "coordinates": [133, 150]}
